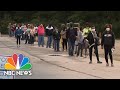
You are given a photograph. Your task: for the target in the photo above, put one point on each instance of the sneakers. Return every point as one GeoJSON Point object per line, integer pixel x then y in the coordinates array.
{"type": "Point", "coordinates": [81, 56]}
{"type": "Point", "coordinates": [18, 46]}
{"type": "Point", "coordinates": [112, 65]}
{"type": "Point", "coordinates": [77, 55]}
{"type": "Point", "coordinates": [99, 62]}
{"type": "Point", "coordinates": [90, 62]}
{"type": "Point", "coordinates": [107, 64]}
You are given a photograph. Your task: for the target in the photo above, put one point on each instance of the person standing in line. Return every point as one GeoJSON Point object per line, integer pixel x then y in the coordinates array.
{"type": "Point", "coordinates": [77, 39]}
{"type": "Point", "coordinates": [85, 33]}
{"type": "Point", "coordinates": [56, 36]}
{"type": "Point", "coordinates": [18, 34]}
{"type": "Point", "coordinates": [71, 35]}
{"type": "Point", "coordinates": [93, 40]}
{"type": "Point", "coordinates": [41, 32]}
{"type": "Point", "coordinates": [108, 42]}
{"type": "Point", "coordinates": [49, 34]}
{"type": "Point", "coordinates": [32, 34]}
{"type": "Point", "coordinates": [64, 38]}
{"type": "Point", "coordinates": [23, 35]}
{"type": "Point", "coordinates": [24, 30]}
{"type": "Point", "coordinates": [27, 34]}
{"type": "Point", "coordinates": [80, 43]}
{"type": "Point", "coordinates": [36, 34]}
{"type": "Point", "coordinates": [53, 39]}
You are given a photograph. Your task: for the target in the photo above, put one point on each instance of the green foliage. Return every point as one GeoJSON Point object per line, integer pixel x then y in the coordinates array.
{"type": "Point", "coordinates": [97, 18]}
{"type": "Point", "coordinates": [35, 21]}
{"type": "Point", "coordinates": [3, 28]}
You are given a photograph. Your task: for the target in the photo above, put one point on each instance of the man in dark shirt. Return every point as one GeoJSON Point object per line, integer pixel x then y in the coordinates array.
{"type": "Point", "coordinates": [71, 35]}
{"type": "Point", "coordinates": [56, 37]}
{"type": "Point", "coordinates": [93, 42]}
{"type": "Point", "coordinates": [49, 34]}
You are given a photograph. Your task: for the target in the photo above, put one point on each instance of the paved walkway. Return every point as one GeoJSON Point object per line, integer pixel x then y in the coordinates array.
{"type": "Point", "coordinates": [74, 64]}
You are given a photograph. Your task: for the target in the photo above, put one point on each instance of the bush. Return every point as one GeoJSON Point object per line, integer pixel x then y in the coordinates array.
{"type": "Point", "coordinates": [35, 21]}
{"type": "Point", "coordinates": [116, 29]}
{"type": "Point", "coordinates": [3, 26]}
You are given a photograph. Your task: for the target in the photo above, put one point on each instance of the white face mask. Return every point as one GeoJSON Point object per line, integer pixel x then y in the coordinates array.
{"type": "Point", "coordinates": [93, 30]}
{"type": "Point", "coordinates": [107, 29]}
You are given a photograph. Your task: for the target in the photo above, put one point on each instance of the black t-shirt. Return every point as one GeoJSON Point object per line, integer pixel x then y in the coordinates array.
{"type": "Point", "coordinates": [108, 38]}
{"type": "Point", "coordinates": [71, 34]}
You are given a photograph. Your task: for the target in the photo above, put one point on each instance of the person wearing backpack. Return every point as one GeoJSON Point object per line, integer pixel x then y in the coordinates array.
{"type": "Point", "coordinates": [93, 43]}
{"type": "Point", "coordinates": [18, 34]}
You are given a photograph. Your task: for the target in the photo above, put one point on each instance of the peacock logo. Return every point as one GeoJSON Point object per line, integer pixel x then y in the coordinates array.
{"type": "Point", "coordinates": [18, 62]}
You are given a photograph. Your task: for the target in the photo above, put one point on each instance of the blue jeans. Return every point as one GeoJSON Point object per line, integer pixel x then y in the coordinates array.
{"type": "Point", "coordinates": [40, 40]}
{"type": "Point", "coordinates": [49, 41]}
{"type": "Point", "coordinates": [56, 45]}
{"type": "Point", "coordinates": [71, 47]}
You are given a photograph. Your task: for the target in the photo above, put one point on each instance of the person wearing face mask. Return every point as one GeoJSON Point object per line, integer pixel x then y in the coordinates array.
{"type": "Point", "coordinates": [93, 43]}
{"type": "Point", "coordinates": [108, 42]}
{"type": "Point", "coordinates": [18, 34]}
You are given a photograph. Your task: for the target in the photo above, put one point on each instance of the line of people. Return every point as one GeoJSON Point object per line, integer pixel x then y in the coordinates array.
{"type": "Point", "coordinates": [87, 38]}
{"type": "Point", "coordinates": [73, 40]}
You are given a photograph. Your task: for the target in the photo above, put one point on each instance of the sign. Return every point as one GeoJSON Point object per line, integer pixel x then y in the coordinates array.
{"type": "Point", "coordinates": [3, 60]}
{"type": "Point", "coordinates": [2, 76]}
{"type": "Point", "coordinates": [13, 65]}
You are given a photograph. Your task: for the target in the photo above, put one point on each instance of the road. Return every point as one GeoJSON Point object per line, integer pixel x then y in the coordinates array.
{"type": "Point", "coordinates": [46, 66]}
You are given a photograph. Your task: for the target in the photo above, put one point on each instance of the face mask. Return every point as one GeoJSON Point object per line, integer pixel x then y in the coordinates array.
{"type": "Point", "coordinates": [93, 30]}
{"type": "Point", "coordinates": [107, 29]}
{"type": "Point", "coordinates": [16, 27]}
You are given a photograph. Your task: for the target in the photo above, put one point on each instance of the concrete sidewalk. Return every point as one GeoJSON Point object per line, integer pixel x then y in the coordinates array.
{"type": "Point", "coordinates": [76, 64]}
